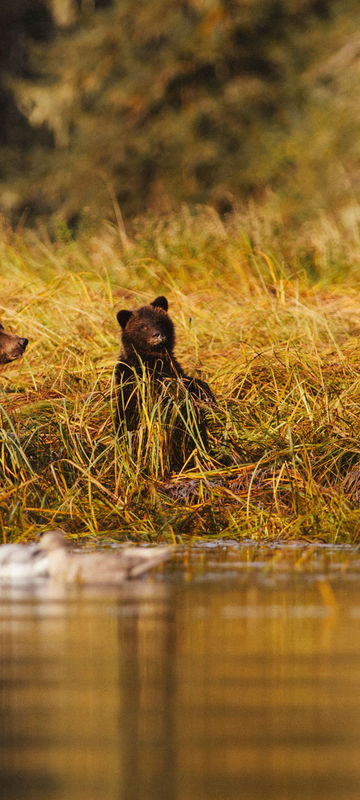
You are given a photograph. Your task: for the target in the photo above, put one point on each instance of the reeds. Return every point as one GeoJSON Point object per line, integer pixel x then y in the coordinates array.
{"type": "Point", "coordinates": [269, 319]}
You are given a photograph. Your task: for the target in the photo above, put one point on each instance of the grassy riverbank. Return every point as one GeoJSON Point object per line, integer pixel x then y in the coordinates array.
{"type": "Point", "coordinates": [269, 318]}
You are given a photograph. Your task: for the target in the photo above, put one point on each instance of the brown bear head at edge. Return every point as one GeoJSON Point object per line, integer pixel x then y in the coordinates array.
{"type": "Point", "coordinates": [11, 346]}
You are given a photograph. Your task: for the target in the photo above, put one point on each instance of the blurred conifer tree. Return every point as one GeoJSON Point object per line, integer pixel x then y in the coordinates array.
{"type": "Point", "coordinates": [154, 104]}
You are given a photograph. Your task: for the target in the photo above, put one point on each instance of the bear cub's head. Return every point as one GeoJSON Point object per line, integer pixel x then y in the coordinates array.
{"type": "Point", "coordinates": [147, 331]}
{"type": "Point", "coordinates": [11, 346]}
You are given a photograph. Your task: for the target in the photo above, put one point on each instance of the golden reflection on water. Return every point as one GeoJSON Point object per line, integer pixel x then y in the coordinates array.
{"type": "Point", "coordinates": [240, 681]}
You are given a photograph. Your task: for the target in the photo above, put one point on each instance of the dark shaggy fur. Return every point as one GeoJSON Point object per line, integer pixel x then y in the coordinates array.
{"type": "Point", "coordinates": [148, 341]}
{"type": "Point", "coordinates": [11, 346]}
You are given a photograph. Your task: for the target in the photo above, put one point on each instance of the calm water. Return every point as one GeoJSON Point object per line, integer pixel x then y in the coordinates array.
{"type": "Point", "coordinates": [234, 673]}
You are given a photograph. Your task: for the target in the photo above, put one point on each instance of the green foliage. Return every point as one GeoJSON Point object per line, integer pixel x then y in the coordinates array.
{"type": "Point", "coordinates": [137, 105]}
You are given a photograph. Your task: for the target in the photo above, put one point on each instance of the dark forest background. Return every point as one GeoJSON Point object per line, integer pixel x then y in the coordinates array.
{"type": "Point", "coordinates": [152, 104]}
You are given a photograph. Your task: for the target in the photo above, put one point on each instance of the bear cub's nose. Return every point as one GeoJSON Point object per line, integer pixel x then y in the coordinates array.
{"type": "Point", "coordinates": [158, 337]}
{"type": "Point", "coordinates": [23, 343]}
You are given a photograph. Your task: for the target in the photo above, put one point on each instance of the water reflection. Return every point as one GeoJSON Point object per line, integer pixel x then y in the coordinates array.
{"type": "Point", "coordinates": [233, 673]}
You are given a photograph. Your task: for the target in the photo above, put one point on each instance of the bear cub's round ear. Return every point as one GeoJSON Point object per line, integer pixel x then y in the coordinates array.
{"type": "Point", "coordinates": [123, 317]}
{"type": "Point", "coordinates": [160, 302]}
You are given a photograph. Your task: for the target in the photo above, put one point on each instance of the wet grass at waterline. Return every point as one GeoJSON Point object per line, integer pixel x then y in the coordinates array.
{"type": "Point", "coordinates": [271, 320]}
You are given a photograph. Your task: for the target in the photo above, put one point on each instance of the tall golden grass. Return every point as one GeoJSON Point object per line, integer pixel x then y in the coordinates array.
{"type": "Point", "coordinates": [270, 318]}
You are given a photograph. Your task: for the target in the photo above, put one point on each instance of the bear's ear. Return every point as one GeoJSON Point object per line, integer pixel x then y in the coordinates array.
{"type": "Point", "coordinates": [123, 317]}
{"type": "Point", "coordinates": [160, 302]}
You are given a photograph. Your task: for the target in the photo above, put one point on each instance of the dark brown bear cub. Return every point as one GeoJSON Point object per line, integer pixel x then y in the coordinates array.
{"type": "Point", "coordinates": [148, 340]}
{"type": "Point", "coordinates": [11, 346]}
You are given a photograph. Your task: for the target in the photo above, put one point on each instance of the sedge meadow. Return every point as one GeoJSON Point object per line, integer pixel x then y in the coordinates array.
{"type": "Point", "coordinates": [268, 317]}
